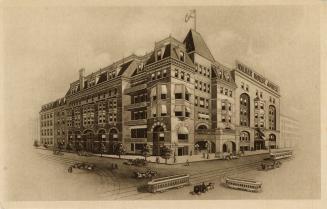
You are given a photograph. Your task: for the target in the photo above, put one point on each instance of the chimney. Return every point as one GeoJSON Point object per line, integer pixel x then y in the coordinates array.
{"type": "Point", "coordinates": [81, 78]}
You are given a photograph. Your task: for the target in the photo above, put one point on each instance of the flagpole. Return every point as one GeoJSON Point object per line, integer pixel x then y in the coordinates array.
{"type": "Point", "coordinates": [195, 20]}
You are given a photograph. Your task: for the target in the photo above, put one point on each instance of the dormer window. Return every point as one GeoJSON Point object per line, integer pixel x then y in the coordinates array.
{"type": "Point", "coordinates": [181, 56]}
{"type": "Point", "coordinates": [159, 55]}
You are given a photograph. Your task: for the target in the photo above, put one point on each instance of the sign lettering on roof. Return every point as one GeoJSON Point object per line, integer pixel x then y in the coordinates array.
{"type": "Point", "coordinates": [259, 78]}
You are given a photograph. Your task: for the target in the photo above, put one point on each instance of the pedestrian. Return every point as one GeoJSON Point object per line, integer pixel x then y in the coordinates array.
{"type": "Point", "coordinates": [208, 156]}
{"type": "Point", "coordinates": [70, 169]}
{"type": "Point", "coordinates": [187, 163]}
{"type": "Point", "coordinates": [175, 159]}
{"type": "Point", "coordinates": [157, 160]}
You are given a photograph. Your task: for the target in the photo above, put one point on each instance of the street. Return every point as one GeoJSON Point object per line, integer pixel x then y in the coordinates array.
{"type": "Point", "coordinates": [44, 177]}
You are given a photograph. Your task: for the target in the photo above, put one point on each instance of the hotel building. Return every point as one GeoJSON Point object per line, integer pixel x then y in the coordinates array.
{"type": "Point", "coordinates": [177, 96]}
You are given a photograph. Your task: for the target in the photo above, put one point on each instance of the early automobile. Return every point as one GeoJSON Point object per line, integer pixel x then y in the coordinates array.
{"type": "Point", "coordinates": [203, 188]}
{"type": "Point", "coordinates": [269, 163]}
{"type": "Point", "coordinates": [147, 174]}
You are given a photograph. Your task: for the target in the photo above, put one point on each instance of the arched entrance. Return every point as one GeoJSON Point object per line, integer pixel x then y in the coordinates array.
{"type": "Point", "coordinates": [229, 147]}
{"type": "Point", "coordinates": [78, 140]}
{"type": "Point", "coordinates": [88, 138]}
{"type": "Point", "coordinates": [158, 136]}
{"type": "Point", "coordinates": [202, 127]}
{"type": "Point", "coordinates": [113, 140]}
{"type": "Point", "coordinates": [101, 139]}
{"type": "Point", "coordinates": [213, 147]}
{"type": "Point", "coordinates": [272, 141]}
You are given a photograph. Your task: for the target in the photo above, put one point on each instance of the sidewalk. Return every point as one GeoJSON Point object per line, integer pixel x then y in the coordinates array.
{"type": "Point", "coordinates": [181, 159]}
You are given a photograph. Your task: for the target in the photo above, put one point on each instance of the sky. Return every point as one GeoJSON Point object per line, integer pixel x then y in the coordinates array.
{"type": "Point", "coordinates": [44, 47]}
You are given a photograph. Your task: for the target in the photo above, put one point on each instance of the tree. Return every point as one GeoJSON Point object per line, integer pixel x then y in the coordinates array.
{"type": "Point", "coordinates": [146, 151]}
{"type": "Point", "coordinates": [119, 149]}
{"type": "Point", "coordinates": [165, 153]}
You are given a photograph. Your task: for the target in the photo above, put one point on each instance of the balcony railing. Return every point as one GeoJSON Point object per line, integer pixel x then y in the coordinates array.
{"type": "Point", "coordinates": [136, 105]}
{"type": "Point", "coordinates": [136, 122]}
{"type": "Point", "coordinates": [135, 88]}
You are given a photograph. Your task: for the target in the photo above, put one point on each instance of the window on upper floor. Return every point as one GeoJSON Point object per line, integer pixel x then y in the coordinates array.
{"type": "Point", "coordinates": [164, 73]}
{"type": "Point", "coordinates": [159, 54]}
{"type": "Point", "coordinates": [176, 73]}
{"type": "Point", "coordinates": [181, 56]}
{"type": "Point", "coordinates": [182, 75]}
{"type": "Point", "coordinates": [188, 77]}
{"type": "Point", "coordinates": [223, 106]}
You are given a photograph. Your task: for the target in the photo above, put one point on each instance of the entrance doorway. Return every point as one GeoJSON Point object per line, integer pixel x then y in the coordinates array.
{"type": "Point", "coordinates": [259, 145]}
{"type": "Point", "coordinates": [158, 139]}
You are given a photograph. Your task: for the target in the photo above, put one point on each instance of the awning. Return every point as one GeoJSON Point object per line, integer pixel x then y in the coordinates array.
{"type": "Point", "coordinates": [163, 109]}
{"type": "Point", "coordinates": [182, 130]}
{"type": "Point", "coordinates": [178, 88]}
{"type": "Point", "coordinates": [203, 116]}
{"type": "Point", "coordinates": [261, 134]}
{"type": "Point", "coordinates": [154, 91]}
{"type": "Point", "coordinates": [163, 89]}
{"type": "Point", "coordinates": [178, 108]}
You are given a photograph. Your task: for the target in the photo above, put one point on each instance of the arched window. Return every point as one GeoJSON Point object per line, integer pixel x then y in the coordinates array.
{"type": "Point", "coordinates": [244, 110]}
{"type": "Point", "coordinates": [244, 136]}
{"type": "Point", "coordinates": [272, 137]}
{"type": "Point", "coordinates": [202, 127]}
{"type": "Point", "coordinates": [272, 117]}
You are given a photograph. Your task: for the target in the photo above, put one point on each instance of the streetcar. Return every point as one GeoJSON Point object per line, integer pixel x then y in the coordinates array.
{"type": "Point", "coordinates": [276, 155]}
{"type": "Point", "coordinates": [249, 185]}
{"type": "Point", "coordinates": [168, 182]}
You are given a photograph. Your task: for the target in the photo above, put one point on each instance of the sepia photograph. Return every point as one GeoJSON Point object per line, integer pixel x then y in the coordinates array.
{"type": "Point", "coordinates": [174, 103]}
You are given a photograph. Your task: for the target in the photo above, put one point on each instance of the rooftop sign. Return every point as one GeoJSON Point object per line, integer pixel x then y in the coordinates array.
{"type": "Point", "coordinates": [257, 77]}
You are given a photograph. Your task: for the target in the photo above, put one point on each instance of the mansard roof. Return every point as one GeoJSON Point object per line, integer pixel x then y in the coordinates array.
{"type": "Point", "coordinates": [195, 43]}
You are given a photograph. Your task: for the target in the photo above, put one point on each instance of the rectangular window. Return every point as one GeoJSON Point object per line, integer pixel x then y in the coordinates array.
{"type": "Point", "coordinates": [201, 102]}
{"type": "Point", "coordinates": [164, 73]}
{"type": "Point", "coordinates": [208, 88]}
{"type": "Point", "coordinates": [182, 136]}
{"type": "Point", "coordinates": [221, 90]}
{"type": "Point", "coordinates": [226, 92]}
{"type": "Point", "coordinates": [188, 77]}
{"type": "Point", "coordinates": [158, 74]}
{"type": "Point", "coordinates": [230, 93]}
{"type": "Point", "coordinates": [176, 73]}
{"type": "Point", "coordinates": [204, 87]}
{"type": "Point", "coordinates": [181, 56]}
{"type": "Point", "coordinates": [158, 55]}
{"type": "Point", "coordinates": [223, 119]}
{"type": "Point", "coordinates": [196, 84]}
{"type": "Point", "coordinates": [207, 103]}
{"type": "Point", "coordinates": [182, 75]}
{"type": "Point", "coordinates": [178, 96]}
{"type": "Point", "coordinates": [196, 101]}
{"type": "Point", "coordinates": [242, 85]}
{"type": "Point", "coordinates": [223, 106]}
